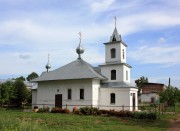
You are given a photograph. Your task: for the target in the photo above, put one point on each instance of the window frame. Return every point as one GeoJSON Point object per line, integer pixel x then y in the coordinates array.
{"type": "Point", "coordinates": [112, 98]}
{"type": "Point", "coordinates": [113, 74]}
{"type": "Point", "coordinates": [81, 94]}
{"type": "Point", "coordinates": [69, 94]}
{"type": "Point", "coordinates": [113, 53]}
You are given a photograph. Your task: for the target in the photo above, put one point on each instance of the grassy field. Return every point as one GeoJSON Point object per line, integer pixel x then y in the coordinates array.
{"type": "Point", "coordinates": [29, 121]}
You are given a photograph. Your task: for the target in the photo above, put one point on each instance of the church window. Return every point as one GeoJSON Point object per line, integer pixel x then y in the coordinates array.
{"type": "Point", "coordinates": [69, 93]}
{"type": "Point", "coordinates": [126, 75]}
{"type": "Point", "coordinates": [113, 97]}
{"type": "Point", "coordinates": [113, 74]}
{"type": "Point", "coordinates": [114, 38]}
{"type": "Point", "coordinates": [123, 54]}
{"type": "Point", "coordinates": [81, 93]}
{"type": "Point", "coordinates": [113, 53]}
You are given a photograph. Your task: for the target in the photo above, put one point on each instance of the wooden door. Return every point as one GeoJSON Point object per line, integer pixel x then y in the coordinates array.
{"type": "Point", "coordinates": [152, 100]}
{"type": "Point", "coordinates": [58, 100]}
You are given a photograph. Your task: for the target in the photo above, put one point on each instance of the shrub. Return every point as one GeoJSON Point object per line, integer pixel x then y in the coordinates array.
{"type": "Point", "coordinates": [104, 112]}
{"type": "Point", "coordinates": [56, 110]}
{"type": "Point", "coordinates": [67, 111]}
{"type": "Point", "coordinates": [125, 113]}
{"type": "Point", "coordinates": [60, 110]}
{"type": "Point", "coordinates": [43, 110]}
{"type": "Point", "coordinates": [145, 115]}
{"type": "Point", "coordinates": [143, 108]}
{"type": "Point", "coordinates": [89, 111]}
{"type": "Point", "coordinates": [112, 112]}
{"type": "Point", "coordinates": [35, 107]}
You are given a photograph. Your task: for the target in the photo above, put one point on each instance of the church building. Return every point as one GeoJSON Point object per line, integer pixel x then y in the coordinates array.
{"type": "Point", "coordinates": [79, 84]}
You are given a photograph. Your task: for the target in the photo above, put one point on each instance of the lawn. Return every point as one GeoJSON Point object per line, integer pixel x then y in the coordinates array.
{"type": "Point", "coordinates": [29, 121]}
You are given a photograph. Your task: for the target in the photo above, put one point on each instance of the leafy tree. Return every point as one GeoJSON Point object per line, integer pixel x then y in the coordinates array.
{"type": "Point", "coordinates": [171, 95]}
{"type": "Point", "coordinates": [32, 76]}
{"type": "Point", "coordinates": [21, 92]}
{"type": "Point", "coordinates": [19, 78]}
{"type": "Point", "coordinates": [7, 93]}
{"type": "Point", "coordinates": [139, 82]}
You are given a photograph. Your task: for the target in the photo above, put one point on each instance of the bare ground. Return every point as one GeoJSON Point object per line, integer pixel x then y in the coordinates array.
{"type": "Point", "coordinates": [175, 124]}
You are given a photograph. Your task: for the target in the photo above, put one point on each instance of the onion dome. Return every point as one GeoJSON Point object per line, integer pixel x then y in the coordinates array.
{"type": "Point", "coordinates": [48, 66]}
{"type": "Point", "coordinates": [79, 49]}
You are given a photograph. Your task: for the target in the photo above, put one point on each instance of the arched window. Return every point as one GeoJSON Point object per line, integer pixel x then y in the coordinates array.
{"type": "Point", "coordinates": [113, 53]}
{"type": "Point", "coordinates": [113, 98]}
{"type": "Point", "coordinates": [113, 74]}
{"type": "Point", "coordinates": [114, 38]}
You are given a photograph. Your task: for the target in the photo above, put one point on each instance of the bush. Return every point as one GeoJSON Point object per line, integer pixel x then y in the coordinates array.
{"type": "Point", "coordinates": [89, 111]}
{"type": "Point", "coordinates": [125, 113]}
{"type": "Point", "coordinates": [35, 107]}
{"type": "Point", "coordinates": [60, 110]}
{"type": "Point", "coordinates": [145, 115]}
{"type": "Point", "coordinates": [112, 112]}
{"type": "Point", "coordinates": [43, 110]}
{"type": "Point", "coordinates": [76, 111]}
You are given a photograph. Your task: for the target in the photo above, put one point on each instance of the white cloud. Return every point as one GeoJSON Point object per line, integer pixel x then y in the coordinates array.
{"type": "Point", "coordinates": [148, 21]}
{"type": "Point", "coordinates": [166, 55]}
{"type": "Point", "coordinates": [102, 5]}
{"type": "Point", "coordinates": [161, 40]}
{"type": "Point", "coordinates": [23, 56]}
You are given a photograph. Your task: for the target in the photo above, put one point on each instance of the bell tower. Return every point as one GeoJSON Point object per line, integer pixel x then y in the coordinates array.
{"type": "Point", "coordinates": [115, 68]}
{"type": "Point", "coordinates": [115, 49]}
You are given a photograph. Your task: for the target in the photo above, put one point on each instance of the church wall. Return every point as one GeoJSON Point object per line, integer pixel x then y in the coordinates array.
{"type": "Point", "coordinates": [123, 98]}
{"type": "Point", "coordinates": [47, 91]}
{"type": "Point", "coordinates": [108, 52]}
{"type": "Point", "coordinates": [95, 92]}
{"type": "Point", "coordinates": [134, 90]}
{"type": "Point", "coordinates": [34, 97]}
{"type": "Point", "coordinates": [106, 71]}
{"type": "Point", "coordinates": [125, 68]}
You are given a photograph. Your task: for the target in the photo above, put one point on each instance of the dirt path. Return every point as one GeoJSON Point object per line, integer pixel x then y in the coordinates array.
{"type": "Point", "coordinates": [175, 124]}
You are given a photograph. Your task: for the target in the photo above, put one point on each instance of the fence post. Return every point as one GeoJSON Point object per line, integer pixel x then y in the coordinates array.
{"type": "Point", "coordinates": [174, 108]}
{"type": "Point", "coordinates": [66, 106]}
{"type": "Point", "coordinates": [123, 107]}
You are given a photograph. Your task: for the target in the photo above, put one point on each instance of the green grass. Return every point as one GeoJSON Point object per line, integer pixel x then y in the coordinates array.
{"type": "Point", "coordinates": [177, 107]}
{"type": "Point", "coordinates": [29, 121]}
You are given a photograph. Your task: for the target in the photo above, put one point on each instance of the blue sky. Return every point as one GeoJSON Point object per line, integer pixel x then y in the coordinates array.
{"type": "Point", "coordinates": [29, 30]}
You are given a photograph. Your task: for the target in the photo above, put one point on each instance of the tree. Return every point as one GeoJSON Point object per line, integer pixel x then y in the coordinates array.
{"type": "Point", "coordinates": [32, 76]}
{"type": "Point", "coordinates": [171, 95]}
{"type": "Point", "coordinates": [21, 92]}
{"type": "Point", "coordinates": [19, 78]}
{"type": "Point", "coordinates": [139, 82]}
{"type": "Point", "coordinates": [7, 93]}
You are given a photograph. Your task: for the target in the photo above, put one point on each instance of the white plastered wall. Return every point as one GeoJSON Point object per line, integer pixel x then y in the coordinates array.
{"type": "Point", "coordinates": [120, 73]}
{"type": "Point", "coordinates": [147, 97]}
{"type": "Point", "coordinates": [123, 98]}
{"type": "Point", "coordinates": [47, 91]}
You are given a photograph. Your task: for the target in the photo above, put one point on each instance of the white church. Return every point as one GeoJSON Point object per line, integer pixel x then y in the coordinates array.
{"type": "Point", "coordinates": [79, 84]}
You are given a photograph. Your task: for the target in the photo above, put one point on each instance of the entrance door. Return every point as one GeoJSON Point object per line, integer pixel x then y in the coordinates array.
{"type": "Point", "coordinates": [58, 100]}
{"type": "Point", "coordinates": [134, 101]}
{"type": "Point", "coordinates": [152, 100]}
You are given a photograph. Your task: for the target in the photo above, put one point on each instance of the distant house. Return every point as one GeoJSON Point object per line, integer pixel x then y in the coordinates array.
{"type": "Point", "coordinates": [150, 92]}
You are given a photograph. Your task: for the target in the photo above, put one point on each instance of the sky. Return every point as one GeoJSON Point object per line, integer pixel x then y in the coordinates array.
{"type": "Point", "coordinates": [30, 29]}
